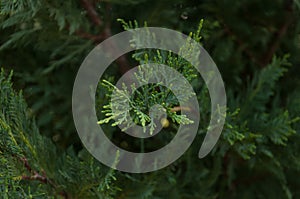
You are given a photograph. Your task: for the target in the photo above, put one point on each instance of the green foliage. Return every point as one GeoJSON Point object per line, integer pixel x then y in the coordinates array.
{"type": "Point", "coordinates": [42, 36]}
{"type": "Point", "coordinates": [44, 42]}
{"type": "Point", "coordinates": [32, 166]}
{"type": "Point", "coordinates": [141, 100]}
{"type": "Point", "coordinates": [252, 132]}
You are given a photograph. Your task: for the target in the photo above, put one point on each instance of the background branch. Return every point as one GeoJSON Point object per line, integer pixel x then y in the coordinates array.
{"type": "Point", "coordinates": [278, 36]}
{"type": "Point", "coordinates": [91, 11]}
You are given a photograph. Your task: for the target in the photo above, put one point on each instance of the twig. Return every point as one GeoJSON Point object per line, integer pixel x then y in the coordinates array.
{"type": "Point", "coordinates": [241, 44]}
{"type": "Point", "coordinates": [92, 13]}
{"type": "Point", "coordinates": [179, 108]}
{"type": "Point", "coordinates": [38, 177]}
{"type": "Point", "coordinates": [27, 166]}
{"type": "Point", "coordinates": [85, 35]}
{"type": "Point", "coordinates": [274, 45]}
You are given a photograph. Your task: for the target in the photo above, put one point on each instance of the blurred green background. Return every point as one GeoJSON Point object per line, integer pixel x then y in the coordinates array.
{"type": "Point", "coordinates": [256, 46]}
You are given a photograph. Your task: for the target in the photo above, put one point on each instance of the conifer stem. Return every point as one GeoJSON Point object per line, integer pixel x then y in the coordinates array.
{"type": "Point", "coordinates": [91, 11]}
{"type": "Point", "coordinates": [38, 177]}
{"type": "Point", "coordinates": [278, 35]}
